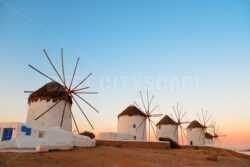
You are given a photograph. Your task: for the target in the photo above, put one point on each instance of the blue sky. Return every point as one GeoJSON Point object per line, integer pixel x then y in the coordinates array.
{"type": "Point", "coordinates": [204, 39]}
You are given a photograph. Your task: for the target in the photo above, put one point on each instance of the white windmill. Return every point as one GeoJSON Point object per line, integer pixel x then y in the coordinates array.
{"type": "Point", "coordinates": [148, 111]}
{"type": "Point", "coordinates": [50, 106]}
{"type": "Point", "coordinates": [197, 131]}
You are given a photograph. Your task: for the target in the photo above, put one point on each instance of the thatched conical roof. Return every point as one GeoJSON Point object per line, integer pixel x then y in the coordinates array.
{"type": "Point", "coordinates": [131, 110]}
{"type": "Point", "coordinates": [166, 120]}
{"type": "Point", "coordinates": [50, 91]}
{"type": "Point", "coordinates": [208, 136]}
{"type": "Point", "coordinates": [195, 124]}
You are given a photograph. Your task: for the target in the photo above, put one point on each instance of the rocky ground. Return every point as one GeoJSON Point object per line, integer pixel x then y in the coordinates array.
{"type": "Point", "coordinates": [108, 156]}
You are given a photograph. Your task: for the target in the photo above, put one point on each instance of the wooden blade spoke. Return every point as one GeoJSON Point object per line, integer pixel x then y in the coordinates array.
{"type": "Point", "coordinates": [208, 120]}
{"type": "Point", "coordinates": [181, 109]}
{"type": "Point", "coordinates": [143, 102]}
{"type": "Point", "coordinates": [76, 90]}
{"type": "Point", "coordinates": [86, 102]}
{"type": "Point", "coordinates": [42, 73]}
{"type": "Point", "coordinates": [176, 115]}
{"type": "Point", "coordinates": [185, 122]}
{"type": "Point", "coordinates": [28, 91]}
{"type": "Point", "coordinates": [171, 116]}
{"type": "Point", "coordinates": [82, 81]}
{"type": "Point", "coordinates": [82, 112]}
{"type": "Point", "coordinates": [143, 133]}
{"type": "Point", "coordinates": [153, 122]}
{"type": "Point", "coordinates": [147, 101]}
{"type": "Point", "coordinates": [156, 115]}
{"type": "Point", "coordinates": [138, 106]}
{"type": "Point", "coordinates": [62, 61]}
{"type": "Point", "coordinates": [154, 109]}
{"type": "Point", "coordinates": [86, 92]}
{"type": "Point", "coordinates": [199, 118]}
{"type": "Point", "coordinates": [151, 100]}
{"type": "Point", "coordinates": [203, 116]}
{"type": "Point", "coordinates": [141, 124]}
{"type": "Point", "coordinates": [183, 115]}
{"type": "Point", "coordinates": [74, 119]}
{"type": "Point", "coordinates": [73, 76]}
{"type": "Point", "coordinates": [48, 110]}
{"type": "Point", "coordinates": [53, 66]}
{"type": "Point", "coordinates": [176, 131]}
{"type": "Point", "coordinates": [148, 130]}
{"type": "Point", "coordinates": [178, 111]}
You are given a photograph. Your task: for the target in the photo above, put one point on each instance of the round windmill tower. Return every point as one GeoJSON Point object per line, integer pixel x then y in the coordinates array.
{"type": "Point", "coordinates": [45, 98]}
{"type": "Point", "coordinates": [197, 132]}
{"type": "Point", "coordinates": [166, 128]}
{"type": "Point", "coordinates": [215, 133]}
{"type": "Point", "coordinates": [129, 120]}
{"type": "Point", "coordinates": [148, 112]}
{"type": "Point", "coordinates": [180, 130]}
{"type": "Point", "coordinates": [50, 106]}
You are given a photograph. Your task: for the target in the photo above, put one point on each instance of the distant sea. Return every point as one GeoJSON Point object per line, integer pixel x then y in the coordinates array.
{"type": "Point", "coordinates": [244, 152]}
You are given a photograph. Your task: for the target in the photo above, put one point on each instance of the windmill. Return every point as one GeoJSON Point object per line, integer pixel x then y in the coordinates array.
{"type": "Point", "coordinates": [71, 93]}
{"type": "Point", "coordinates": [204, 120]}
{"type": "Point", "coordinates": [148, 110]}
{"type": "Point", "coordinates": [179, 115]}
{"type": "Point", "coordinates": [216, 133]}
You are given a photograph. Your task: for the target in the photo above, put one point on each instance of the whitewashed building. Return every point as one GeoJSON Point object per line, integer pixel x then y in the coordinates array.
{"type": "Point", "coordinates": [128, 128]}
{"type": "Point", "coordinates": [45, 98]}
{"type": "Point", "coordinates": [167, 128]}
{"type": "Point", "coordinates": [209, 139]}
{"type": "Point", "coordinates": [196, 134]}
{"type": "Point", "coordinates": [46, 131]}
{"type": "Point", "coordinates": [115, 136]}
{"type": "Point", "coordinates": [132, 121]}
{"type": "Point", "coordinates": [15, 135]}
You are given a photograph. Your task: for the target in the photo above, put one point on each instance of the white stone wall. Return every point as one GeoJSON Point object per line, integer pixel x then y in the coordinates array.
{"type": "Point", "coordinates": [125, 126]}
{"type": "Point", "coordinates": [115, 136]}
{"type": "Point", "coordinates": [13, 125]}
{"type": "Point", "coordinates": [167, 131]}
{"type": "Point", "coordinates": [53, 117]}
{"type": "Point", "coordinates": [50, 137]}
{"type": "Point", "coordinates": [197, 136]}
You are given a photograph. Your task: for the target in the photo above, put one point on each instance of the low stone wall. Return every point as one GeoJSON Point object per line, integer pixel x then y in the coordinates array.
{"type": "Point", "coordinates": [134, 144]}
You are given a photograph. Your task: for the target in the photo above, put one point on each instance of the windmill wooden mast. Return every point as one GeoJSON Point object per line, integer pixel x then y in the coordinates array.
{"type": "Point", "coordinates": [204, 120]}
{"type": "Point", "coordinates": [148, 112]}
{"type": "Point", "coordinates": [71, 92]}
{"type": "Point", "coordinates": [179, 115]}
{"type": "Point", "coordinates": [216, 133]}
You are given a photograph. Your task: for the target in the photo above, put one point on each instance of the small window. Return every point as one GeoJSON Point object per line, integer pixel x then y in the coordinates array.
{"type": "Point", "coordinates": [134, 125]}
{"type": "Point", "coordinates": [26, 130]}
{"type": "Point", "coordinates": [191, 143]}
{"type": "Point", "coordinates": [134, 137]}
{"type": "Point", "coordinates": [7, 134]}
{"type": "Point", "coordinates": [41, 134]}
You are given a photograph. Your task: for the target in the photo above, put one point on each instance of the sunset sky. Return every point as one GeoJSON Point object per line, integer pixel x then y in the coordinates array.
{"type": "Point", "coordinates": [196, 52]}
